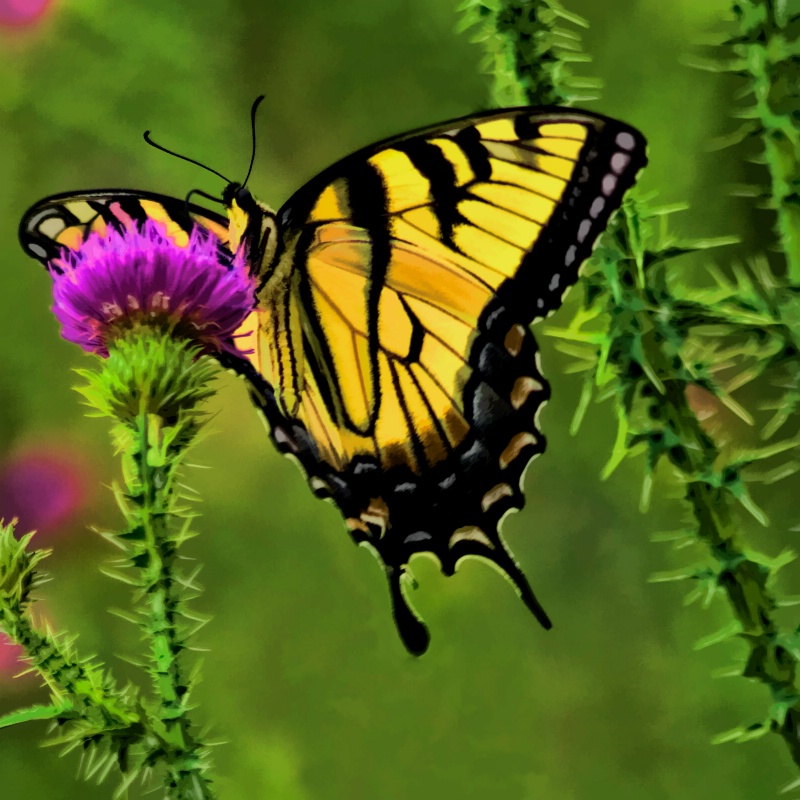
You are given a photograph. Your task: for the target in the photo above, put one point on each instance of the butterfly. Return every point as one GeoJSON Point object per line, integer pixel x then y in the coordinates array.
{"type": "Point", "coordinates": [393, 358]}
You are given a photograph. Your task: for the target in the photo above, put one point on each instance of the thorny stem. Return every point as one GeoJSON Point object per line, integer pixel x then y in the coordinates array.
{"type": "Point", "coordinates": [530, 51]}
{"type": "Point", "coordinates": [769, 40]}
{"type": "Point", "coordinates": [82, 685]}
{"type": "Point", "coordinates": [743, 580]}
{"type": "Point", "coordinates": [519, 46]}
{"type": "Point", "coordinates": [537, 66]}
{"type": "Point", "coordinates": [711, 492]}
{"type": "Point", "coordinates": [185, 765]}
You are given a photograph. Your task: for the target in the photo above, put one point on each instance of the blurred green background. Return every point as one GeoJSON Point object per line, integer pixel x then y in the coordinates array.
{"type": "Point", "coordinates": [305, 681]}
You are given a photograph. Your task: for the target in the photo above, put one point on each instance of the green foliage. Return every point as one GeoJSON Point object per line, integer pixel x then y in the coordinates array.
{"type": "Point", "coordinates": [766, 41]}
{"type": "Point", "coordinates": [761, 46]}
{"type": "Point", "coordinates": [647, 342]}
{"type": "Point", "coordinates": [151, 384]}
{"type": "Point", "coordinates": [530, 48]}
{"type": "Point", "coordinates": [34, 713]}
{"type": "Point", "coordinates": [89, 710]}
{"type": "Point", "coordinates": [18, 574]}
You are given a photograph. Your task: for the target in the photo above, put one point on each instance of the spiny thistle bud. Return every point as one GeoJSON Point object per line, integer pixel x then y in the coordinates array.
{"type": "Point", "coordinates": [17, 566]}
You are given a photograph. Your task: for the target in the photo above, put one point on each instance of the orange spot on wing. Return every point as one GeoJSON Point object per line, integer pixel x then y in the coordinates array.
{"type": "Point", "coordinates": [99, 226]}
{"type": "Point", "coordinates": [71, 238]}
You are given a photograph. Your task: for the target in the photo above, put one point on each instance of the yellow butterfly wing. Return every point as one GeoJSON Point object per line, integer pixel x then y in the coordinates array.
{"type": "Point", "coordinates": [62, 222]}
{"type": "Point", "coordinates": [394, 324]}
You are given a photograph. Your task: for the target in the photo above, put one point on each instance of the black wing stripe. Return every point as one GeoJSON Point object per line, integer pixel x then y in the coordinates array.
{"type": "Point", "coordinates": [469, 140]}
{"type": "Point", "coordinates": [368, 203]}
{"type": "Point", "coordinates": [432, 163]}
{"type": "Point", "coordinates": [417, 331]}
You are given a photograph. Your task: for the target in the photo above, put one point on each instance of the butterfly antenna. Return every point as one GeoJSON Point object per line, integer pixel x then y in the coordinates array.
{"type": "Point", "coordinates": [253, 110]}
{"type": "Point", "coordinates": [183, 158]}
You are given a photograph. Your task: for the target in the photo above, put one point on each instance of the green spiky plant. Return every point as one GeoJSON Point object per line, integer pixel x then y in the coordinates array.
{"type": "Point", "coordinates": [646, 343]}
{"type": "Point", "coordinates": [151, 386]}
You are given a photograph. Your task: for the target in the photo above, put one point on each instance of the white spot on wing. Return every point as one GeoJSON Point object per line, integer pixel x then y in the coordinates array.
{"type": "Point", "coordinates": [625, 141]}
{"type": "Point", "coordinates": [597, 206]}
{"type": "Point", "coordinates": [619, 161]}
{"type": "Point", "coordinates": [609, 184]}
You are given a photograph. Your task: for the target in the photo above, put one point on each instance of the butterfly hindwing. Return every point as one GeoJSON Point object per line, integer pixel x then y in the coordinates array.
{"type": "Point", "coordinates": [411, 271]}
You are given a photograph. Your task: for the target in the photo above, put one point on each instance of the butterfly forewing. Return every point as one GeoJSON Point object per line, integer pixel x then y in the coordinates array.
{"type": "Point", "coordinates": [416, 266]}
{"type": "Point", "coordinates": [62, 223]}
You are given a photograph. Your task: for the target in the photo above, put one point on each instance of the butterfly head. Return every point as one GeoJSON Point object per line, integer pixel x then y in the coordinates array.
{"type": "Point", "coordinates": [251, 225]}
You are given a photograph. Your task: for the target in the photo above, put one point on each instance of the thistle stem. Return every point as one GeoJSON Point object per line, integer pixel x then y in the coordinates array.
{"type": "Point", "coordinates": [185, 762]}
{"type": "Point", "coordinates": [529, 51]}
{"type": "Point", "coordinates": [80, 685]}
{"type": "Point", "coordinates": [636, 301]}
{"type": "Point", "coordinates": [769, 42]}
{"type": "Point", "coordinates": [743, 579]}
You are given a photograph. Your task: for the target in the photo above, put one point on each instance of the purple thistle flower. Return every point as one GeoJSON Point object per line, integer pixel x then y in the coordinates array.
{"type": "Point", "coordinates": [121, 281]}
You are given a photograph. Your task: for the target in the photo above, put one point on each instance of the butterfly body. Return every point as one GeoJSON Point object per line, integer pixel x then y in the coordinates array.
{"type": "Point", "coordinates": [392, 356]}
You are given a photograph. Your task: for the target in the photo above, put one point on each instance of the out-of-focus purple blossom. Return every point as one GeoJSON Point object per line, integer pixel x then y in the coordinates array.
{"type": "Point", "coordinates": [42, 487]}
{"type": "Point", "coordinates": [10, 656]}
{"type": "Point", "coordinates": [18, 13]}
{"type": "Point", "coordinates": [141, 277]}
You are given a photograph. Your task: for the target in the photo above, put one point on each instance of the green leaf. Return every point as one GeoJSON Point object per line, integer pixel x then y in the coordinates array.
{"type": "Point", "coordinates": [666, 576]}
{"type": "Point", "coordinates": [728, 736]}
{"type": "Point", "coordinates": [732, 629]}
{"type": "Point", "coordinates": [34, 713]}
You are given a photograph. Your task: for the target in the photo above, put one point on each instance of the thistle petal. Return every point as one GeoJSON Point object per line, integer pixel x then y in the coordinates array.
{"type": "Point", "coordinates": [141, 277]}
